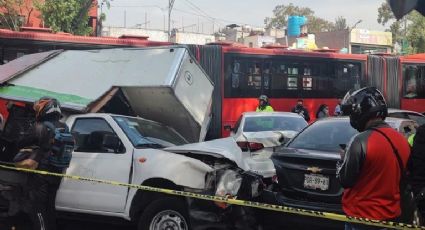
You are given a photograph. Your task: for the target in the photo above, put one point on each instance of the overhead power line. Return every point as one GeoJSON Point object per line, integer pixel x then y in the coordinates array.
{"type": "Point", "coordinates": [220, 21]}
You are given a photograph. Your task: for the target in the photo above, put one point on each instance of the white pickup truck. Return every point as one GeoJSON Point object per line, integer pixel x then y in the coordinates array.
{"type": "Point", "coordinates": [134, 150]}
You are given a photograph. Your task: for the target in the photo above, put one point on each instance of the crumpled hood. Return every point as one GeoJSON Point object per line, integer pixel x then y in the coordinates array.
{"type": "Point", "coordinates": [227, 148]}
{"type": "Point", "coordinates": [221, 148]}
{"type": "Point", "coordinates": [268, 138]}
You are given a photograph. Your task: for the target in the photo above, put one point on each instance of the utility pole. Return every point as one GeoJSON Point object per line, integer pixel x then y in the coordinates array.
{"type": "Point", "coordinates": [146, 20]}
{"type": "Point", "coordinates": [170, 8]}
{"type": "Point", "coordinates": [125, 19]}
{"type": "Point", "coordinates": [349, 35]}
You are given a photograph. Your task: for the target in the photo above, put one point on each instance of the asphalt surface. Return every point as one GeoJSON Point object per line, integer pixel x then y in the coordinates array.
{"type": "Point", "coordinates": [85, 225]}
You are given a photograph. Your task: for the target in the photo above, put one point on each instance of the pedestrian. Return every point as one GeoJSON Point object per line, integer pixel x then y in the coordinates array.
{"type": "Point", "coordinates": [416, 168]}
{"type": "Point", "coordinates": [322, 112]}
{"type": "Point", "coordinates": [264, 104]}
{"type": "Point", "coordinates": [370, 169]}
{"type": "Point", "coordinates": [301, 110]}
{"type": "Point", "coordinates": [37, 149]}
{"type": "Point", "coordinates": [338, 111]}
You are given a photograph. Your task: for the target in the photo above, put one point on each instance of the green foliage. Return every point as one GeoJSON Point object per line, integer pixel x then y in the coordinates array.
{"type": "Point", "coordinates": [282, 12]}
{"type": "Point", "coordinates": [411, 27]}
{"type": "Point", "coordinates": [385, 15]}
{"type": "Point", "coordinates": [70, 16]}
{"type": "Point", "coordinates": [341, 23]}
{"type": "Point", "coordinates": [416, 32]}
{"type": "Point", "coordinates": [11, 18]}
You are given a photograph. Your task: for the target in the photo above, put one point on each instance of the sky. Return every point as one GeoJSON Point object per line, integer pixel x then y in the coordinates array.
{"type": "Point", "coordinates": [204, 16]}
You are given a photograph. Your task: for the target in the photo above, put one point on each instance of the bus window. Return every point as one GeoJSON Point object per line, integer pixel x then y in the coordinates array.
{"type": "Point", "coordinates": [267, 68]}
{"type": "Point", "coordinates": [278, 76]}
{"type": "Point", "coordinates": [314, 80]}
{"type": "Point", "coordinates": [243, 77]}
{"type": "Point", "coordinates": [284, 79]}
{"type": "Point", "coordinates": [414, 81]}
{"type": "Point", "coordinates": [346, 77]}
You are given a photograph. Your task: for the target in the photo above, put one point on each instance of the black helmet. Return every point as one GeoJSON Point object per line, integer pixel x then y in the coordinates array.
{"type": "Point", "coordinates": [263, 98]}
{"type": "Point", "coordinates": [362, 105]}
{"type": "Point", "coordinates": [47, 107]}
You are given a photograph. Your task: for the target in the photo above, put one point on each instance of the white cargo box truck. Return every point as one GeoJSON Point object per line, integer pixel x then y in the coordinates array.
{"type": "Point", "coordinates": [164, 84]}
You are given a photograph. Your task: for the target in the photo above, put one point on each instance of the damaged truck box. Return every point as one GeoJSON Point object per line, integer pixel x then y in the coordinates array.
{"type": "Point", "coordinates": [163, 84]}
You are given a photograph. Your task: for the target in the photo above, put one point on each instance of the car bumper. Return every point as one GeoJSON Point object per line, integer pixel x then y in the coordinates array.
{"type": "Point", "coordinates": [282, 219]}
{"type": "Point", "coordinates": [280, 199]}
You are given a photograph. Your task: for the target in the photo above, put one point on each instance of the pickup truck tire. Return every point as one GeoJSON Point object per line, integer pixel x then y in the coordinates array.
{"type": "Point", "coordinates": [164, 213]}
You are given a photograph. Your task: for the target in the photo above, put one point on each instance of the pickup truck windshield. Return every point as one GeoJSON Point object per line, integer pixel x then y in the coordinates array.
{"type": "Point", "coordinates": [143, 133]}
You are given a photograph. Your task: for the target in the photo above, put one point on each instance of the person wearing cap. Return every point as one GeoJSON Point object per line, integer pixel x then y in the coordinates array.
{"type": "Point", "coordinates": [264, 105]}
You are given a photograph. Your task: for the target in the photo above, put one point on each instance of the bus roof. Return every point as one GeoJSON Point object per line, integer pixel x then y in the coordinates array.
{"type": "Point", "coordinates": [288, 52]}
{"type": "Point", "coordinates": [413, 58]}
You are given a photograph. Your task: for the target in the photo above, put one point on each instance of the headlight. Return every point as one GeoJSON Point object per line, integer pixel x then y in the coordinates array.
{"type": "Point", "coordinates": [229, 183]}
{"type": "Point", "coordinates": [252, 186]}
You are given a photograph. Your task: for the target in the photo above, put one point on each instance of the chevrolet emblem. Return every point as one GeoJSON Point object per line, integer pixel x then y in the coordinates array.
{"type": "Point", "coordinates": [314, 169]}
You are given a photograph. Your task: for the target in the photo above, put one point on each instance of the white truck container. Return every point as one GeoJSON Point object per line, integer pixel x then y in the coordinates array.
{"type": "Point", "coordinates": [164, 84]}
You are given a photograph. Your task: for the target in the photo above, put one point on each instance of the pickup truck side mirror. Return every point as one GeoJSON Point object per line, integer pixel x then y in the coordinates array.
{"type": "Point", "coordinates": [111, 142]}
{"type": "Point", "coordinates": [228, 128]}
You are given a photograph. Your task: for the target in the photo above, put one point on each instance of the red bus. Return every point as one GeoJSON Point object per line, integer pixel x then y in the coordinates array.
{"type": "Point", "coordinates": [412, 85]}
{"type": "Point", "coordinates": [241, 74]}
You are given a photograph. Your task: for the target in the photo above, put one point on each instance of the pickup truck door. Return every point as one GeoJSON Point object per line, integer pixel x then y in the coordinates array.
{"type": "Point", "coordinates": [92, 159]}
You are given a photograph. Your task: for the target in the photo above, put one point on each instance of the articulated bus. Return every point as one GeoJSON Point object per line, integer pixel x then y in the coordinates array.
{"type": "Point", "coordinates": [242, 74]}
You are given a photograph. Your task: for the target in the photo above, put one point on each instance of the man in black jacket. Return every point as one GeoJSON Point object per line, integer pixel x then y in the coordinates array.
{"type": "Point", "coordinates": [38, 143]}
{"type": "Point", "coordinates": [416, 167]}
{"type": "Point", "coordinates": [301, 110]}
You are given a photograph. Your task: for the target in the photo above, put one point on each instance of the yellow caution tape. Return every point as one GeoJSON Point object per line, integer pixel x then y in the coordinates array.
{"type": "Point", "coordinates": [271, 207]}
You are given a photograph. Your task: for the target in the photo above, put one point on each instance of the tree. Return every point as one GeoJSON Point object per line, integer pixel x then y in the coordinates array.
{"type": "Point", "coordinates": [282, 12]}
{"type": "Point", "coordinates": [385, 15]}
{"type": "Point", "coordinates": [411, 27]}
{"type": "Point", "coordinates": [340, 23]}
{"type": "Point", "coordinates": [69, 16]}
{"type": "Point", "coordinates": [416, 32]}
{"type": "Point", "coordinates": [14, 13]}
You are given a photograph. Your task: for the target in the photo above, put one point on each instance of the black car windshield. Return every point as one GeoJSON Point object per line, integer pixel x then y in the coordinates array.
{"type": "Point", "coordinates": [324, 135]}
{"type": "Point", "coordinates": [273, 123]}
{"type": "Point", "coordinates": [144, 133]}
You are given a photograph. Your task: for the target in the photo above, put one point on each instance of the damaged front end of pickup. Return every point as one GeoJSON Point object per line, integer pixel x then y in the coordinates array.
{"type": "Point", "coordinates": [228, 179]}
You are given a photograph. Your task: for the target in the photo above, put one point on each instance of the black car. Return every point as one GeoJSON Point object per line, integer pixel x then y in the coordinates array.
{"type": "Point", "coordinates": [306, 167]}
{"type": "Point", "coordinates": [306, 172]}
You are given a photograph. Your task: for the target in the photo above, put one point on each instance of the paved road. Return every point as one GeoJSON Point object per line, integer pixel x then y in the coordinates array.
{"type": "Point", "coordinates": [84, 225]}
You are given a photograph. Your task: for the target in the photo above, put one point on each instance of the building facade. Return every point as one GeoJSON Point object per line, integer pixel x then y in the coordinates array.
{"type": "Point", "coordinates": [258, 41]}
{"type": "Point", "coordinates": [356, 41]}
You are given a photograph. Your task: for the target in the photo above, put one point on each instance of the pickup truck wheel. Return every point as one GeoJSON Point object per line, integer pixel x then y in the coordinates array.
{"type": "Point", "coordinates": [166, 213]}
